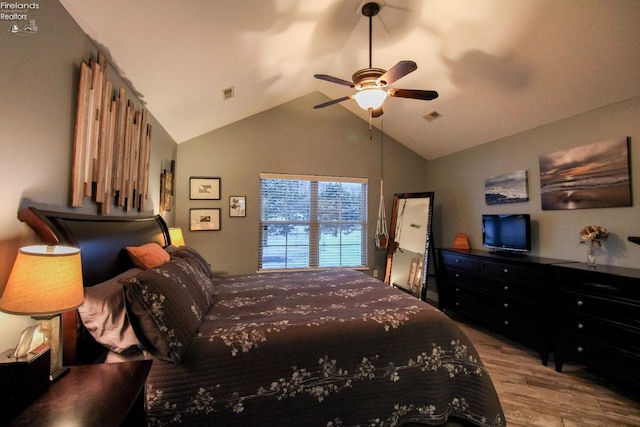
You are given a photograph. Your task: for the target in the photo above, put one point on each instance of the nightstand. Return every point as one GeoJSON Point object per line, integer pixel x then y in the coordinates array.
{"type": "Point", "coordinates": [107, 394]}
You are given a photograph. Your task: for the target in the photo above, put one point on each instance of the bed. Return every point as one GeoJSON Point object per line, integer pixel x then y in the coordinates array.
{"type": "Point", "coordinates": [323, 347]}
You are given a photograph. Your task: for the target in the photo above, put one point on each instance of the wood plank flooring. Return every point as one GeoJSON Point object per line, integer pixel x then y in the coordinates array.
{"type": "Point", "coordinates": [535, 395]}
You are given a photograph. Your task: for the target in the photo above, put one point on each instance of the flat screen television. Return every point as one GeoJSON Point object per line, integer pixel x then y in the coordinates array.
{"type": "Point", "coordinates": [508, 233]}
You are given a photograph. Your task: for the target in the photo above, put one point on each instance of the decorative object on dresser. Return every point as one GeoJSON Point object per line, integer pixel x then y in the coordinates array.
{"type": "Point", "coordinates": [112, 144]}
{"type": "Point", "coordinates": [599, 319]}
{"type": "Point", "coordinates": [44, 282]}
{"type": "Point", "coordinates": [510, 294]}
{"type": "Point", "coordinates": [593, 235]}
{"type": "Point", "coordinates": [461, 242]}
{"type": "Point", "coordinates": [410, 236]}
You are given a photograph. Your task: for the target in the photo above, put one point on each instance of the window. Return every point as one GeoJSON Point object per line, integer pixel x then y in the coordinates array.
{"type": "Point", "coordinates": [311, 221]}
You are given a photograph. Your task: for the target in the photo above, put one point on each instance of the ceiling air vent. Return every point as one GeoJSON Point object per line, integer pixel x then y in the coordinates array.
{"type": "Point", "coordinates": [431, 116]}
{"type": "Point", "coordinates": [227, 93]}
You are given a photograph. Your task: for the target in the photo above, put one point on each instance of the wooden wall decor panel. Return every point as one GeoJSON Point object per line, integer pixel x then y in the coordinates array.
{"type": "Point", "coordinates": [112, 144]}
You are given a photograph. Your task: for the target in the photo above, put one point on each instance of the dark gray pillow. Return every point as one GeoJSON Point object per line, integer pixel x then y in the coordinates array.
{"type": "Point", "coordinates": [166, 305]}
{"type": "Point", "coordinates": [186, 252]}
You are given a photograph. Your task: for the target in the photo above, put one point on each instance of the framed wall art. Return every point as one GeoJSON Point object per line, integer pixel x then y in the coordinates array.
{"type": "Point", "coordinates": [204, 188]}
{"type": "Point", "coordinates": [507, 188]}
{"type": "Point", "coordinates": [237, 206]}
{"type": "Point", "coordinates": [589, 176]}
{"type": "Point", "coordinates": [204, 219]}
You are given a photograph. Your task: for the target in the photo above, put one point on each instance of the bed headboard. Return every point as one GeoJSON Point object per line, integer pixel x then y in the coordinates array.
{"type": "Point", "coordinates": [102, 241]}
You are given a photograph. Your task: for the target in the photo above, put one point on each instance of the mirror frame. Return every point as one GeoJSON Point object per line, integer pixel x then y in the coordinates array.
{"type": "Point", "coordinates": [391, 248]}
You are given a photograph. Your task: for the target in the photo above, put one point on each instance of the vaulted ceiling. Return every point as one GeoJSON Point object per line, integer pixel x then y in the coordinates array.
{"type": "Point", "coordinates": [500, 66]}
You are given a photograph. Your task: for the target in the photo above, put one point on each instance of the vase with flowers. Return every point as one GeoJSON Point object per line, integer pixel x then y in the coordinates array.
{"type": "Point", "coordinates": [593, 235]}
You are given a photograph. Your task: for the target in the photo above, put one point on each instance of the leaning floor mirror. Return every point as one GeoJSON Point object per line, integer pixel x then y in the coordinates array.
{"type": "Point", "coordinates": [410, 237]}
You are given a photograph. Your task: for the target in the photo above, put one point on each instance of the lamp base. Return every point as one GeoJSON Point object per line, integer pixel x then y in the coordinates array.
{"type": "Point", "coordinates": [58, 373]}
{"type": "Point", "coordinates": [52, 329]}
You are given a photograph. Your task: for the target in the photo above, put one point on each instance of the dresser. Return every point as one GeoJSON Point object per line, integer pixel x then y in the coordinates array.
{"type": "Point", "coordinates": [599, 319]}
{"type": "Point", "coordinates": [512, 295]}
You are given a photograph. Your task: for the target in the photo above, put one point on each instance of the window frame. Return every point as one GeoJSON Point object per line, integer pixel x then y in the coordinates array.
{"type": "Point", "coordinates": [314, 232]}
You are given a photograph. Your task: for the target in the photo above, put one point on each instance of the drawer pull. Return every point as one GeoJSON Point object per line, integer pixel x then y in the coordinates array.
{"type": "Point", "coordinates": [506, 271]}
{"type": "Point", "coordinates": [580, 349]}
{"type": "Point", "coordinates": [506, 323]}
{"type": "Point", "coordinates": [580, 326]}
{"type": "Point", "coordinates": [580, 302]}
{"type": "Point", "coordinates": [506, 305]}
{"type": "Point", "coordinates": [457, 289]}
{"type": "Point", "coordinates": [457, 275]}
{"type": "Point", "coordinates": [506, 287]}
{"type": "Point", "coordinates": [457, 304]}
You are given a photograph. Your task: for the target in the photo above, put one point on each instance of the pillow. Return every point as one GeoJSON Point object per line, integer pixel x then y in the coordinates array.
{"type": "Point", "coordinates": [104, 314]}
{"type": "Point", "coordinates": [187, 252]}
{"type": "Point", "coordinates": [166, 305]}
{"type": "Point", "coordinates": [148, 255]}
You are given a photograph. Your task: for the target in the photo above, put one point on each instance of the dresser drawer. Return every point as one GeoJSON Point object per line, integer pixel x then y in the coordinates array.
{"type": "Point", "coordinates": [455, 276]}
{"type": "Point", "coordinates": [512, 289]}
{"type": "Point", "coordinates": [456, 261]}
{"type": "Point", "coordinates": [598, 283]}
{"type": "Point", "coordinates": [510, 272]}
{"type": "Point", "coordinates": [603, 331]}
{"type": "Point", "coordinates": [623, 312]}
{"type": "Point", "coordinates": [621, 363]}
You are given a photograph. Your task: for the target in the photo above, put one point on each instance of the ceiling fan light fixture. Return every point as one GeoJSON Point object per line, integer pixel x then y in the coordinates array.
{"type": "Point", "coordinates": [370, 99]}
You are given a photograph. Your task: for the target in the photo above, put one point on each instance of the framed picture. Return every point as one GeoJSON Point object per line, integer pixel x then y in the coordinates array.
{"type": "Point", "coordinates": [204, 188]}
{"type": "Point", "coordinates": [204, 219]}
{"type": "Point", "coordinates": [507, 188]}
{"type": "Point", "coordinates": [589, 176]}
{"type": "Point", "coordinates": [237, 206]}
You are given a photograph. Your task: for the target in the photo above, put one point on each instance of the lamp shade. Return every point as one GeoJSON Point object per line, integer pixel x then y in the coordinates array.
{"type": "Point", "coordinates": [370, 99]}
{"type": "Point", "coordinates": [176, 237]}
{"type": "Point", "coordinates": [45, 280]}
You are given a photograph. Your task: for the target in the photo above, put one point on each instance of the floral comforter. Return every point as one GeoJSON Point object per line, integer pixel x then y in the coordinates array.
{"type": "Point", "coordinates": [322, 348]}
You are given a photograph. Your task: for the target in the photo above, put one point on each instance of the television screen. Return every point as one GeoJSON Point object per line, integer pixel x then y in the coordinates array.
{"type": "Point", "coordinates": [509, 233]}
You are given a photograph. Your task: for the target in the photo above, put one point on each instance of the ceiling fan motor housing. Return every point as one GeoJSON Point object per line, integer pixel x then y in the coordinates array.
{"type": "Point", "coordinates": [366, 78]}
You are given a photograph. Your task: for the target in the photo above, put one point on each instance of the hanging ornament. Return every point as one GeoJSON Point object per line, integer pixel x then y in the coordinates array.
{"type": "Point", "coordinates": [382, 234]}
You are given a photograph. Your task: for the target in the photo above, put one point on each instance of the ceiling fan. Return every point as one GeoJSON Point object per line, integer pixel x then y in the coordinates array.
{"type": "Point", "coordinates": [371, 83]}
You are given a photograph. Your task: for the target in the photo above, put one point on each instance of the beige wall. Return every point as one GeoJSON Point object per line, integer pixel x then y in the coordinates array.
{"type": "Point", "coordinates": [291, 138]}
{"type": "Point", "coordinates": [458, 181]}
{"type": "Point", "coordinates": [38, 77]}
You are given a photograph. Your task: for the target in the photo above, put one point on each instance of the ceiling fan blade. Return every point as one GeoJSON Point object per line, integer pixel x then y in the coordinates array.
{"type": "Point", "coordinates": [333, 101]}
{"type": "Point", "coordinates": [397, 72]}
{"type": "Point", "coordinates": [333, 79]}
{"type": "Point", "coordinates": [425, 95]}
{"type": "Point", "coordinates": [377, 112]}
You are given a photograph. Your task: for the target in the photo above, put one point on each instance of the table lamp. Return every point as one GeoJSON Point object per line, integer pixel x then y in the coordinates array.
{"type": "Point", "coordinates": [44, 282]}
{"type": "Point", "coordinates": [176, 237]}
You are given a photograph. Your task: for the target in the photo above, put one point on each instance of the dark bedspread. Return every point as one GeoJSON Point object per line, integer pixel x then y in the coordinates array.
{"type": "Point", "coordinates": [322, 348]}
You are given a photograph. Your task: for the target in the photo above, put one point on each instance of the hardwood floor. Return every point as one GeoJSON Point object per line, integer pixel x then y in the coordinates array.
{"type": "Point", "coordinates": [535, 395]}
